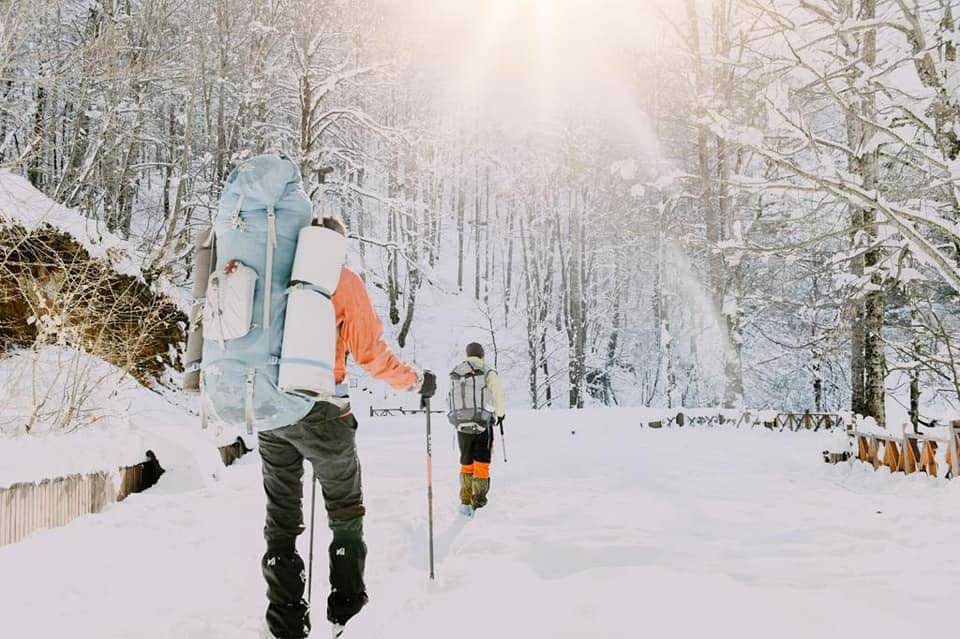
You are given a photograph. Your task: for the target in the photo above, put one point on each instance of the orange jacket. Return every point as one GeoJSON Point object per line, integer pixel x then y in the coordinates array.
{"type": "Point", "coordinates": [360, 333]}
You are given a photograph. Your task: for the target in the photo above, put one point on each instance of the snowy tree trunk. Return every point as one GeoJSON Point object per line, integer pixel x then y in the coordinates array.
{"type": "Point", "coordinates": [575, 322]}
{"type": "Point", "coordinates": [545, 282]}
{"type": "Point", "coordinates": [478, 251]}
{"type": "Point", "coordinates": [393, 236]}
{"type": "Point", "coordinates": [817, 370]}
{"type": "Point", "coordinates": [716, 204]}
{"type": "Point", "coordinates": [613, 341]}
{"type": "Point", "coordinates": [489, 255]}
{"type": "Point", "coordinates": [875, 368]}
{"type": "Point", "coordinates": [575, 311]}
{"type": "Point", "coordinates": [461, 203]}
{"type": "Point", "coordinates": [508, 269]}
{"type": "Point", "coordinates": [221, 157]}
{"type": "Point", "coordinates": [413, 273]}
{"type": "Point", "coordinates": [532, 332]}
{"type": "Point", "coordinates": [360, 220]}
{"type": "Point", "coordinates": [857, 365]}
{"type": "Point", "coordinates": [35, 164]}
{"type": "Point", "coordinates": [915, 399]}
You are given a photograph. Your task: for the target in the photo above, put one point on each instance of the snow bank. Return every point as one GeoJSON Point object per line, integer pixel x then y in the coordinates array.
{"type": "Point", "coordinates": [31, 458]}
{"type": "Point", "coordinates": [869, 426]}
{"type": "Point", "coordinates": [85, 415]}
{"type": "Point", "coordinates": [60, 388]}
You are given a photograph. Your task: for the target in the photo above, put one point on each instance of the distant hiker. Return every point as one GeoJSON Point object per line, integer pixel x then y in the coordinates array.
{"type": "Point", "coordinates": [476, 403]}
{"type": "Point", "coordinates": [280, 311]}
{"type": "Point", "coordinates": [327, 438]}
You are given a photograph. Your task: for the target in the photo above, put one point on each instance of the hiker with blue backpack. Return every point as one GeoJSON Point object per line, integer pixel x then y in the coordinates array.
{"type": "Point", "coordinates": [280, 315]}
{"type": "Point", "coordinates": [477, 402]}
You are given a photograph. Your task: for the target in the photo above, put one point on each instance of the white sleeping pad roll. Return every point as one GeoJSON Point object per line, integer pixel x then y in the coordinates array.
{"type": "Point", "coordinates": [310, 329]}
{"type": "Point", "coordinates": [309, 345]}
{"type": "Point", "coordinates": [320, 255]}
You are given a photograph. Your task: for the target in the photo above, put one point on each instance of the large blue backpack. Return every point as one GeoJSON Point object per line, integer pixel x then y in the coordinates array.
{"type": "Point", "coordinates": [261, 212]}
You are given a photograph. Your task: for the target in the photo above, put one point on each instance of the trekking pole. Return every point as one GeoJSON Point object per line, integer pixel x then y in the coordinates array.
{"type": "Point", "coordinates": [313, 519]}
{"type": "Point", "coordinates": [426, 404]}
{"type": "Point", "coordinates": [503, 439]}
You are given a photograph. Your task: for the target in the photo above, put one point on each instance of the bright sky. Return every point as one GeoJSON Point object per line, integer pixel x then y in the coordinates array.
{"type": "Point", "coordinates": [528, 62]}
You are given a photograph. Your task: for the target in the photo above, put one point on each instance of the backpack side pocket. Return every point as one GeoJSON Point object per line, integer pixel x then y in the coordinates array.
{"type": "Point", "coordinates": [228, 309]}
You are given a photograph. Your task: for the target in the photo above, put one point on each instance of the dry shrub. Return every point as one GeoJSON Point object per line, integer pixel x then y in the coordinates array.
{"type": "Point", "coordinates": [53, 292]}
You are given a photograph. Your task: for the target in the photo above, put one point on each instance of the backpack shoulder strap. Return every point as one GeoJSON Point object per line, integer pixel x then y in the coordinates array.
{"type": "Point", "coordinates": [486, 370]}
{"type": "Point", "coordinates": [464, 369]}
{"type": "Point", "coordinates": [209, 238]}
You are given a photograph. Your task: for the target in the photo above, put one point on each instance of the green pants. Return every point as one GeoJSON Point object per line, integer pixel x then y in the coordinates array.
{"type": "Point", "coordinates": [327, 438]}
{"type": "Point", "coordinates": [476, 450]}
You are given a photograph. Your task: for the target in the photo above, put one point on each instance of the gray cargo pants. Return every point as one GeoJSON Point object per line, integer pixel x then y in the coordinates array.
{"type": "Point", "coordinates": [327, 438]}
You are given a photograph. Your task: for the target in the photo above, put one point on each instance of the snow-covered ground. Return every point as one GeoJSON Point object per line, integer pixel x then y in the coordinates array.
{"type": "Point", "coordinates": [596, 528]}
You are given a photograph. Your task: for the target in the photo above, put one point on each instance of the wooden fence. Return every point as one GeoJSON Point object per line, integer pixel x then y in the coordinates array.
{"type": "Point", "coordinates": [779, 421]}
{"type": "Point", "coordinates": [391, 412]}
{"type": "Point", "coordinates": [28, 507]}
{"type": "Point", "coordinates": [792, 421]}
{"type": "Point", "coordinates": [911, 452]}
{"type": "Point", "coordinates": [680, 419]}
{"type": "Point", "coordinates": [807, 421]}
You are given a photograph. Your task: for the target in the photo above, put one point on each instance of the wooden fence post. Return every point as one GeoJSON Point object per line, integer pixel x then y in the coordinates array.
{"type": "Point", "coordinates": [891, 456]}
{"type": "Point", "coordinates": [908, 462]}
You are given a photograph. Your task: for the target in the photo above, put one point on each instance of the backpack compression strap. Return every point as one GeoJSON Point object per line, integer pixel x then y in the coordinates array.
{"type": "Point", "coordinates": [268, 266]}
{"type": "Point", "coordinates": [248, 412]}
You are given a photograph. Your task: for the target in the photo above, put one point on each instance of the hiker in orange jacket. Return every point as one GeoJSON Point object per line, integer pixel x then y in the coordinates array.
{"type": "Point", "coordinates": [327, 438]}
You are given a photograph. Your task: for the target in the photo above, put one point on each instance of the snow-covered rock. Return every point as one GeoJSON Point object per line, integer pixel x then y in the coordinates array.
{"type": "Point", "coordinates": [22, 204]}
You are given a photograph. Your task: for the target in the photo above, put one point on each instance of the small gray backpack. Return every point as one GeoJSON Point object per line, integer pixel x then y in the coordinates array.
{"type": "Point", "coordinates": [470, 399]}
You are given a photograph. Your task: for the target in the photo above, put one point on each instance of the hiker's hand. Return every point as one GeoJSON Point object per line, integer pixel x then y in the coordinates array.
{"type": "Point", "coordinates": [500, 420]}
{"type": "Point", "coordinates": [428, 386]}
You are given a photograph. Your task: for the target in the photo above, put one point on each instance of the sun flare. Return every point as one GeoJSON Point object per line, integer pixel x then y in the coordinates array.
{"type": "Point", "coordinates": [531, 62]}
